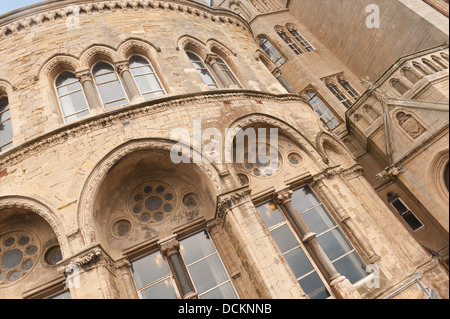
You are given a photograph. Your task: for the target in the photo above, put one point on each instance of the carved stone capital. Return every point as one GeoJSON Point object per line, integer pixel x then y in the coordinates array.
{"type": "Point", "coordinates": [211, 59]}
{"type": "Point", "coordinates": [84, 75]}
{"type": "Point", "coordinates": [86, 259]}
{"type": "Point", "coordinates": [375, 91]}
{"type": "Point", "coordinates": [229, 200]}
{"type": "Point", "coordinates": [328, 173]}
{"type": "Point", "coordinates": [122, 66]}
{"type": "Point", "coordinates": [213, 225]}
{"type": "Point", "coordinates": [169, 246]}
{"type": "Point", "coordinates": [277, 73]}
{"type": "Point", "coordinates": [283, 196]}
{"type": "Point", "coordinates": [352, 172]}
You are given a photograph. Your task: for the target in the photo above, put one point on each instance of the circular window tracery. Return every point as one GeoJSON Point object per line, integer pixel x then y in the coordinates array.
{"type": "Point", "coordinates": [264, 161]}
{"type": "Point", "coordinates": [18, 255]}
{"type": "Point", "coordinates": [53, 255]}
{"type": "Point", "coordinates": [152, 202]}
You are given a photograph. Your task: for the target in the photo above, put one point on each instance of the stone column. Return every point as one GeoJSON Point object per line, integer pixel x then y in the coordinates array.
{"type": "Point", "coordinates": [123, 68]}
{"type": "Point", "coordinates": [341, 286]}
{"type": "Point", "coordinates": [268, 272]}
{"type": "Point", "coordinates": [125, 279]}
{"type": "Point", "coordinates": [211, 59]}
{"type": "Point", "coordinates": [279, 76]}
{"type": "Point", "coordinates": [327, 194]}
{"type": "Point", "coordinates": [169, 248]}
{"type": "Point", "coordinates": [240, 278]}
{"type": "Point", "coordinates": [86, 80]}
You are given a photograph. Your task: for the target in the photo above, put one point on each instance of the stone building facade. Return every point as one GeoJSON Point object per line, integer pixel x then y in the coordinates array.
{"type": "Point", "coordinates": [98, 99]}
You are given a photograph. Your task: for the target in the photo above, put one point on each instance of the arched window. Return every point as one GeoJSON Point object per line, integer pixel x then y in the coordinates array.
{"type": "Point", "coordinates": [270, 50]}
{"type": "Point", "coordinates": [71, 97]}
{"type": "Point", "coordinates": [312, 213]}
{"type": "Point", "coordinates": [444, 56]}
{"type": "Point", "coordinates": [420, 68]}
{"type": "Point", "coordinates": [288, 40]}
{"type": "Point", "coordinates": [228, 73]}
{"type": "Point", "coordinates": [408, 216]}
{"type": "Point", "coordinates": [349, 88]}
{"type": "Point", "coordinates": [108, 85]}
{"type": "Point", "coordinates": [194, 269]}
{"type": "Point", "coordinates": [145, 77]}
{"type": "Point", "coordinates": [430, 65]}
{"type": "Point", "coordinates": [399, 86]}
{"type": "Point", "coordinates": [301, 39]}
{"type": "Point", "coordinates": [410, 75]}
{"type": "Point", "coordinates": [203, 70]}
{"type": "Point", "coordinates": [6, 132]}
{"type": "Point", "coordinates": [325, 114]}
{"type": "Point", "coordinates": [339, 94]}
{"type": "Point", "coordinates": [439, 62]}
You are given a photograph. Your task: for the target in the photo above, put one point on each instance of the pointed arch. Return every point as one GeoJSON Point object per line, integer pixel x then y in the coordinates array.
{"type": "Point", "coordinates": [213, 45]}
{"type": "Point", "coordinates": [187, 42]}
{"type": "Point", "coordinates": [324, 138]}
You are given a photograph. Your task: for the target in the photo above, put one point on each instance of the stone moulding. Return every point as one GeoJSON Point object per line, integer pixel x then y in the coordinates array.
{"type": "Point", "coordinates": [97, 176]}
{"type": "Point", "coordinates": [31, 205]}
{"type": "Point", "coordinates": [130, 112]}
{"type": "Point", "coordinates": [48, 12]}
{"type": "Point", "coordinates": [230, 200]}
{"type": "Point", "coordinates": [249, 120]}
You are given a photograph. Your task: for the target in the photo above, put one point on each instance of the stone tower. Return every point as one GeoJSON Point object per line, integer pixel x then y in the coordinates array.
{"type": "Point", "coordinates": [171, 149]}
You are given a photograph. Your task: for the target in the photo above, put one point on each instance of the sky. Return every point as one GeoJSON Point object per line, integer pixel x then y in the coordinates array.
{"type": "Point", "coordinates": [8, 5]}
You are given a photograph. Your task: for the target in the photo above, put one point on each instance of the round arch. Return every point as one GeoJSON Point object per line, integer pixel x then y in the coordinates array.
{"type": "Point", "coordinates": [286, 129]}
{"type": "Point", "coordinates": [42, 210]}
{"type": "Point", "coordinates": [93, 183]}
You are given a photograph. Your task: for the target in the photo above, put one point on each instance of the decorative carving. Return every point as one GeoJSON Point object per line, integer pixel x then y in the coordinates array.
{"type": "Point", "coordinates": [375, 91]}
{"type": "Point", "coordinates": [62, 13]}
{"type": "Point", "coordinates": [169, 247]}
{"type": "Point", "coordinates": [83, 76]}
{"type": "Point", "coordinates": [84, 261]}
{"type": "Point", "coordinates": [66, 61]}
{"type": "Point", "coordinates": [389, 172]}
{"type": "Point", "coordinates": [122, 66]}
{"type": "Point", "coordinates": [410, 125]}
{"type": "Point", "coordinates": [93, 184]}
{"type": "Point", "coordinates": [352, 172]}
{"type": "Point", "coordinates": [138, 110]}
{"type": "Point", "coordinates": [127, 45]}
{"type": "Point", "coordinates": [249, 120]}
{"type": "Point", "coordinates": [41, 210]}
{"type": "Point", "coordinates": [283, 196]}
{"type": "Point", "coordinates": [230, 200]}
{"type": "Point", "coordinates": [211, 58]}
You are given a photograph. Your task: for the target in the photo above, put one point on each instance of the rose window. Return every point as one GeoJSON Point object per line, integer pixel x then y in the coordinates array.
{"type": "Point", "coordinates": [264, 161]}
{"type": "Point", "coordinates": [152, 202]}
{"type": "Point", "coordinates": [18, 255]}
